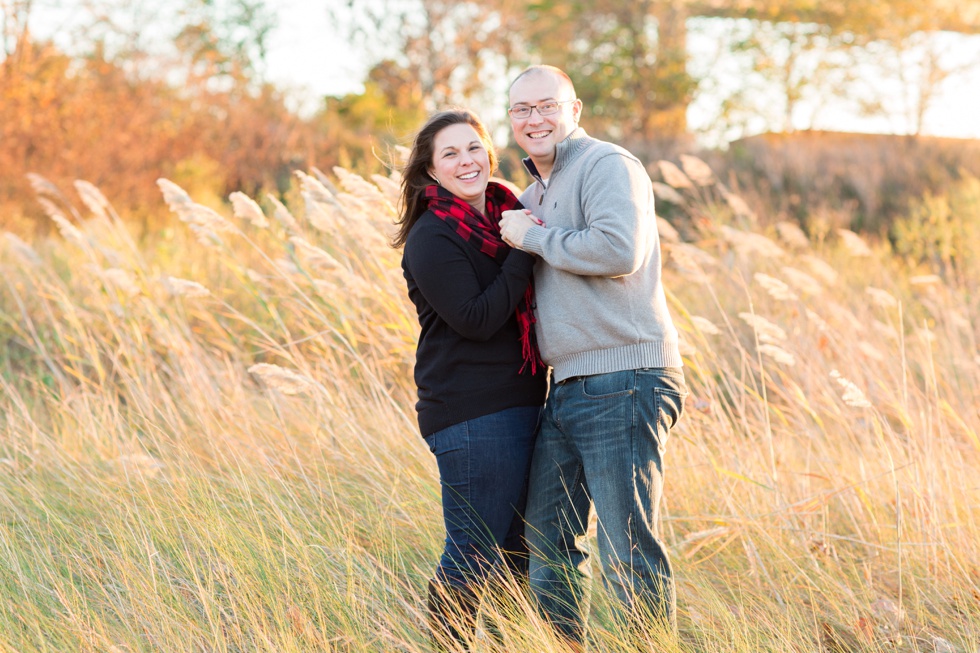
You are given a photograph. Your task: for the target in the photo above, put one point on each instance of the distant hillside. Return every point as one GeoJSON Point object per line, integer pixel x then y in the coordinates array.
{"type": "Point", "coordinates": [866, 178]}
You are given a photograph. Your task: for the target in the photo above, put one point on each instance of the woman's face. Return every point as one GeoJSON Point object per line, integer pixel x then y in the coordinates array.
{"type": "Point", "coordinates": [461, 163]}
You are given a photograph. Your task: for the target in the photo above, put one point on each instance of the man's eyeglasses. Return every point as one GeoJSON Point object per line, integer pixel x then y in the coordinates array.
{"type": "Point", "coordinates": [522, 111]}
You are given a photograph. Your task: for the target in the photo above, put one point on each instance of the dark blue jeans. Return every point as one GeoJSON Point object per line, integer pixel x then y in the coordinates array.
{"type": "Point", "coordinates": [602, 440]}
{"type": "Point", "coordinates": [483, 471]}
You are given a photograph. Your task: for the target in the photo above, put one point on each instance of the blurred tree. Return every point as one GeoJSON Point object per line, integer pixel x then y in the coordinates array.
{"type": "Point", "coordinates": [224, 40]}
{"type": "Point", "coordinates": [630, 60]}
{"type": "Point", "coordinates": [800, 51]}
{"type": "Point", "coordinates": [364, 127]}
{"type": "Point", "coordinates": [13, 21]}
{"type": "Point", "coordinates": [904, 37]}
{"type": "Point", "coordinates": [391, 102]}
{"type": "Point", "coordinates": [448, 50]}
{"type": "Point", "coordinates": [788, 73]}
{"type": "Point", "coordinates": [60, 115]}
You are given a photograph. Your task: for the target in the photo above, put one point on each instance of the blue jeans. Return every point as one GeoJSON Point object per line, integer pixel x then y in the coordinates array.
{"type": "Point", "coordinates": [483, 471]}
{"type": "Point", "coordinates": [602, 440]}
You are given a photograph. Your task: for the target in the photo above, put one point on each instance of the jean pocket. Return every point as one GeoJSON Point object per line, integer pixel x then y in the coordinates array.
{"type": "Point", "coordinates": [431, 441]}
{"type": "Point", "coordinates": [670, 406]}
{"type": "Point", "coordinates": [613, 384]}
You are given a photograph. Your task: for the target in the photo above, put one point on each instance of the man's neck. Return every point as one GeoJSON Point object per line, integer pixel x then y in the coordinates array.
{"type": "Point", "coordinates": [544, 168]}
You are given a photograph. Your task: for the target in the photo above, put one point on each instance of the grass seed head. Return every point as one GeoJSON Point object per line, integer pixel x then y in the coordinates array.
{"type": "Point", "coordinates": [777, 289]}
{"type": "Point", "coordinates": [177, 287]}
{"type": "Point", "coordinates": [766, 330]}
{"type": "Point", "coordinates": [70, 232]}
{"type": "Point", "coordinates": [176, 198]}
{"type": "Point", "coordinates": [750, 244]}
{"type": "Point", "coordinates": [881, 297]}
{"type": "Point", "coordinates": [24, 251]}
{"type": "Point", "coordinates": [852, 395]}
{"type": "Point", "coordinates": [246, 208]}
{"type": "Point", "coordinates": [822, 269]}
{"type": "Point", "coordinates": [697, 170]}
{"type": "Point", "coordinates": [311, 254]}
{"type": "Point", "coordinates": [282, 215]}
{"type": "Point", "coordinates": [122, 281]}
{"type": "Point", "coordinates": [791, 234]}
{"type": "Point", "coordinates": [673, 175]}
{"type": "Point", "coordinates": [802, 281]}
{"type": "Point", "coordinates": [93, 198]}
{"type": "Point", "coordinates": [739, 206]}
{"type": "Point", "coordinates": [854, 243]}
{"type": "Point", "coordinates": [664, 192]}
{"type": "Point", "coordinates": [667, 232]}
{"type": "Point", "coordinates": [42, 186]}
{"type": "Point", "coordinates": [778, 354]}
{"type": "Point", "coordinates": [704, 325]}
{"type": "Point", "coordinates": [284, 380]}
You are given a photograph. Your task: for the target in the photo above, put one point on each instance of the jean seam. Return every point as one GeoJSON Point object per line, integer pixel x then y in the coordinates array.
{"type": "Point", "coordinates": [634, 458]}
{"type": "Point", "coordinates": [469, 459]}
{"type": "Point", "coordinates": [611, 395]}
{"type": "Point", "coordinates": [657, 394]}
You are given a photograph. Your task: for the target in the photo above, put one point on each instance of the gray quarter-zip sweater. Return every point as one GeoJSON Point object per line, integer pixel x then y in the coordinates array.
{"type": "Point", "coordinates": [600, 299]}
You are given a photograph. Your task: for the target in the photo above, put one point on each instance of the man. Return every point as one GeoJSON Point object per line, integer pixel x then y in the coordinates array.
{"type": "Point", "coordinates": [616, 385]}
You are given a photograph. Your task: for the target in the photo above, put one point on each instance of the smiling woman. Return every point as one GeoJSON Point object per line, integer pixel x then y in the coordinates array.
{"type": "Point", "coordinates": [480, 380]}
{"type": "Point", "coordinates": [461, 164]}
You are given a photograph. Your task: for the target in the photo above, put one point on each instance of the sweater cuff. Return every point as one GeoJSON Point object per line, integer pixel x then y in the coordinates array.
{"type": "Point", "coordinates": [532, 240]}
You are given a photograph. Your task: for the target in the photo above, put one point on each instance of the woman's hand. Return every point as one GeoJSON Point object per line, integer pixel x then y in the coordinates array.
{"type": "Point", "coordinates": [514, 225]}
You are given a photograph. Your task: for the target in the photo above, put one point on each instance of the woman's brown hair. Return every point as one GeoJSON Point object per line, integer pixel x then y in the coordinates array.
{"type": "Point", "coordinates": [415, 176]}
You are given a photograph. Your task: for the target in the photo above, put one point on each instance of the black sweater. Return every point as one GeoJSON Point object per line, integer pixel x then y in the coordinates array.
{"type": "Point", "coordinates": [469, 358]}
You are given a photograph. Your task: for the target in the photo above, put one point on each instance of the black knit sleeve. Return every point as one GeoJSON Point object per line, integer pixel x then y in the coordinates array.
{"type": "Point", "coordinates": [441, 264]}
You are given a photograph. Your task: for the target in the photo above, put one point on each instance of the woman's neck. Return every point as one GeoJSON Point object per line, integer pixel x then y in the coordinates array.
{"type": "Point", "coordinates": [480, 205]}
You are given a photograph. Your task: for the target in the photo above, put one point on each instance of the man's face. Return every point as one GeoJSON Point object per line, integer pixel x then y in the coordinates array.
{"type": "Point", "coordinates": [536, 134]}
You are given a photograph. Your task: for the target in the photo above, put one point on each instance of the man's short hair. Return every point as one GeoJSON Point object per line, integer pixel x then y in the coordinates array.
{"type": "Point", "coordinates": [562, 76]}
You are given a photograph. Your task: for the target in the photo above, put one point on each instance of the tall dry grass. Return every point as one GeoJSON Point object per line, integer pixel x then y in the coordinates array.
{"type": "Point", "coordinates": [208, 440]}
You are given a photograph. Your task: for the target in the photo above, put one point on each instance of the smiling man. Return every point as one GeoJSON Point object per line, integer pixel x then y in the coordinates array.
{"type": "Point", "coordinates": [617, 387]}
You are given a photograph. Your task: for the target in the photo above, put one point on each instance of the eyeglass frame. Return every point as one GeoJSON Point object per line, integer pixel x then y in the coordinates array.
{"type": "Point", "coordinates": [534, 107]}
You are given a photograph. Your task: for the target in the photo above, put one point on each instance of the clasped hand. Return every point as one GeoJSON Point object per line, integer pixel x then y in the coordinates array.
{"type": "Point", "coordinates": [514, 225]}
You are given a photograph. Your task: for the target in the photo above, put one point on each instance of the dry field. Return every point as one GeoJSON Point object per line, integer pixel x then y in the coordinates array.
{"type": "Point", "coordinates": [207, 440]}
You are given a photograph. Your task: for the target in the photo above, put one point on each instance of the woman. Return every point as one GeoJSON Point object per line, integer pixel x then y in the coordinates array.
{"type": "Point", "coordinates": [480, 380]}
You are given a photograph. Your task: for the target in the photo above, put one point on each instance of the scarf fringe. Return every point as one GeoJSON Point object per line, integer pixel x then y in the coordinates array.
{"type": "Point", "coordinates": [529, 344]}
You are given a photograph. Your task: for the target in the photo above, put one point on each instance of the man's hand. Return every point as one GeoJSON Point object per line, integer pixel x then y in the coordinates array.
{"type": "Point", "coordinates": [514, 225]}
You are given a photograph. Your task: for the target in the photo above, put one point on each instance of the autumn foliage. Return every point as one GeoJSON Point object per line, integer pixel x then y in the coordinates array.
{"type": "Point", "coordinates": [122, 128]}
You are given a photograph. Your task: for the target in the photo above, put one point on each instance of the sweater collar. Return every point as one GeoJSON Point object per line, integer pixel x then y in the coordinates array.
{"type": "Point", "coordinates": [565, 152]}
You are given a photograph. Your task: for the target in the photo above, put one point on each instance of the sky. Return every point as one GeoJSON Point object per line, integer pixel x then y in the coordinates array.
{"type": "Point", "coordinates": [308, 52]}
{"type": "Point", "coordinates": [310, 56]}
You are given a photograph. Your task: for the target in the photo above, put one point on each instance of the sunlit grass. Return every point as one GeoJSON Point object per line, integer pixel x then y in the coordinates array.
{"type": "Point", "coordinates": [208, 440]}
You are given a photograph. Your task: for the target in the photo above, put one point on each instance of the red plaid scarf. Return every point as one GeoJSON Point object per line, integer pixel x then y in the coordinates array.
{"type": "Point", "coordinates": [483, 233]}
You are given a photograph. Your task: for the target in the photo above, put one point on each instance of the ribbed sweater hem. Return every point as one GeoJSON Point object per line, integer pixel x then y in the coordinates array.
{"type": "Point", "coordinates": [663, 353]}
